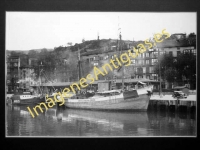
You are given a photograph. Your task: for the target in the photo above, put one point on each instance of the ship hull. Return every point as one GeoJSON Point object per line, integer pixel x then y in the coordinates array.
{"type": "Point", "coordinates": [26, 100]}
{"type": "Point", "coordinates": [139, 104]}
{"type": "Point", "coordinates": [129, 100]}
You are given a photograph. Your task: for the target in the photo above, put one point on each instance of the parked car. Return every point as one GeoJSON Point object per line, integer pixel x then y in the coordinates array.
{"type": "Point", "coordinates": [179, 94]}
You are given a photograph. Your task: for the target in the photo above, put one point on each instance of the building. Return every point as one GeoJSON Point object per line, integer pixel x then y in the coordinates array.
{"type": "Point", "coordinates": [13, 73]}
{"type": "Point", "coordinates": [18, 73]}
{"type": "Point", "coordinates": [26, 77]}
{"type": "Point", "coordinates": [178, 43]}
{"type": "Point", "coordinates": [144, 65]}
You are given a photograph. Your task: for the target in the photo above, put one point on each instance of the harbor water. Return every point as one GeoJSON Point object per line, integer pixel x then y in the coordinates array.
{"type": "Point", "coordinates": [64, 122]}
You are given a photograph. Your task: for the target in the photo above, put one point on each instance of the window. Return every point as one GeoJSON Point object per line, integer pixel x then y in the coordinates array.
{"type": "Point", "coordinates": [95, 64]}
{"type": "Point", "coordinates": [142, 55]}
{"type": "Point", "coordinates": [144, 69]}
{"type": "Point", "coordinates": [96, 58]}
{"type": "Point", "coordinates": [131, 53]}
{"type": "Point", "coordinates": [154, 61]}
{"type": "Point", "coordinates": [193, 51]}
{"type": "Point", "coordinates": [147, 54]}
{"type": "Point", "coordinates": [178, 53]}
{"type": "Point", "coordinates": [161, 53]}
{"type": "Point", "coordinates": [154, 54]}
{"type": "Point", "coordinates": [91, 59]}
{"type": "Point", "coordinates": [154, 75]}
{"type": "Point", "coordinates": [139, 70]}
{"type": "Point", "coordinates": [133, 62]}
{"type": "Point", "coordinates": [147, 62]}
{"type": "Point", "coordinates": [140, 62]}
{"type": "Point", "coordinates": [170, 53]}
{"type": "Point", "coordinates": [150, 69]}
{"type": "Point", "coordinates": [106, 57]}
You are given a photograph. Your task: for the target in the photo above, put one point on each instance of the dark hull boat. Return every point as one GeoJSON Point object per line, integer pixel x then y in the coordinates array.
{"type": "Point", "coordinates": [26, 99]}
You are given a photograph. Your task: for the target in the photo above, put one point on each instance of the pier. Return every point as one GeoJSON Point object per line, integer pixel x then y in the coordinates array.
{"type": "Point", "coordinates": [167, 102]}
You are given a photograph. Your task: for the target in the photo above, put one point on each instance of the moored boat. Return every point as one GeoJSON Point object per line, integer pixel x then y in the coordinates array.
{"type": "Point", "coordinates": [26, 98]}
{"type": "Point", "coordinates": [135, 99]}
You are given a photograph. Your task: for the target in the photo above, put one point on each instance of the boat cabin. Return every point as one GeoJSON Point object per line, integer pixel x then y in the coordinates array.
{"type": "Point", "coordinates": [108, 93]}
{"type": "Point", "coordinates": [140, 85]}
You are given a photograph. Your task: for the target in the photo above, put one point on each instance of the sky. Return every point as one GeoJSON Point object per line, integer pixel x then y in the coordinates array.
{"type": "Point", "coordinates": [36, 30]}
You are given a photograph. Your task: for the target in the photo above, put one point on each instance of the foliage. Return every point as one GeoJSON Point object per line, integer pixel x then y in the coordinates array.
{"type": "Point", "coordinates": [33, 53]}
{"type": "Point", "coordinates": [174, 69]}
{"type": "Point", "coordinates": [186, 65]}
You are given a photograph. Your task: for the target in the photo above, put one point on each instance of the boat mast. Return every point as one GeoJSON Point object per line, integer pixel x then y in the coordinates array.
{"type": "Point", "coordinates": [120, 37]}
{"type": "Point", "coordinates": [79, 64]}
{"type": "Point", "coordinates": [159, 59]}
{"type": "Point", "coordinates": [40, 81]}
{"type": "Point", "coordinates": [120, 51]}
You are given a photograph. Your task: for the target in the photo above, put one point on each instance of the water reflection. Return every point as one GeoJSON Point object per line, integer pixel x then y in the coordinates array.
{"type": "Point", "coordinates": [69, 122]}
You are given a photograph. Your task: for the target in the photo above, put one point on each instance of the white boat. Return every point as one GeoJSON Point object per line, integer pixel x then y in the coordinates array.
{"type": "Point", "coordinates": [135, 99]}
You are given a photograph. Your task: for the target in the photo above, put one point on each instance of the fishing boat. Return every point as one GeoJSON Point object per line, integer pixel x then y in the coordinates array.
{"type": "Point", "coordinates": [135, 99]}
{"type": "Point", "coordinates": [26, 98]}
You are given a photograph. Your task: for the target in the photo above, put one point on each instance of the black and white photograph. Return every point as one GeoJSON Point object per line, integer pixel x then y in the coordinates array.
{"type": "Point", "coordinates": [100, 74]}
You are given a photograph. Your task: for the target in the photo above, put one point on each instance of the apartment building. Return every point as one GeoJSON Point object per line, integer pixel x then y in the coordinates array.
{"type": "Point", "coordinates": [13, 73]}
{"type": "Point", "coordinates": [19, 74]}
{"type": "Point", "coordinates": [144, 65]}
{"type": "Point", "coordinates": [26, 77]}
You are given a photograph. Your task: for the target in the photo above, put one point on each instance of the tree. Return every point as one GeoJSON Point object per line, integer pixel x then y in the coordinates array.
{"type": "Point", "coordinates": [32, 53]}
{"type": "Point", "coordinates": [192, 35]}
{"type": "Point", "coordinates": [174, 69]}
{"type": "Point", "coordinates": [186, 66]}
{"type": "Point", "coordinates": [167, 67]}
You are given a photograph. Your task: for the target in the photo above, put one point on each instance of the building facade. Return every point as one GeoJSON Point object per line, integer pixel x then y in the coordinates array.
{"type": "Point", "coordinates": [19, 74]}
{"type": "Point", "coordinates": [144, 65]}
{"type": "Point", "coordinates": [13, 73]}
{"type": "Point", "coordinates": [26, 77]}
